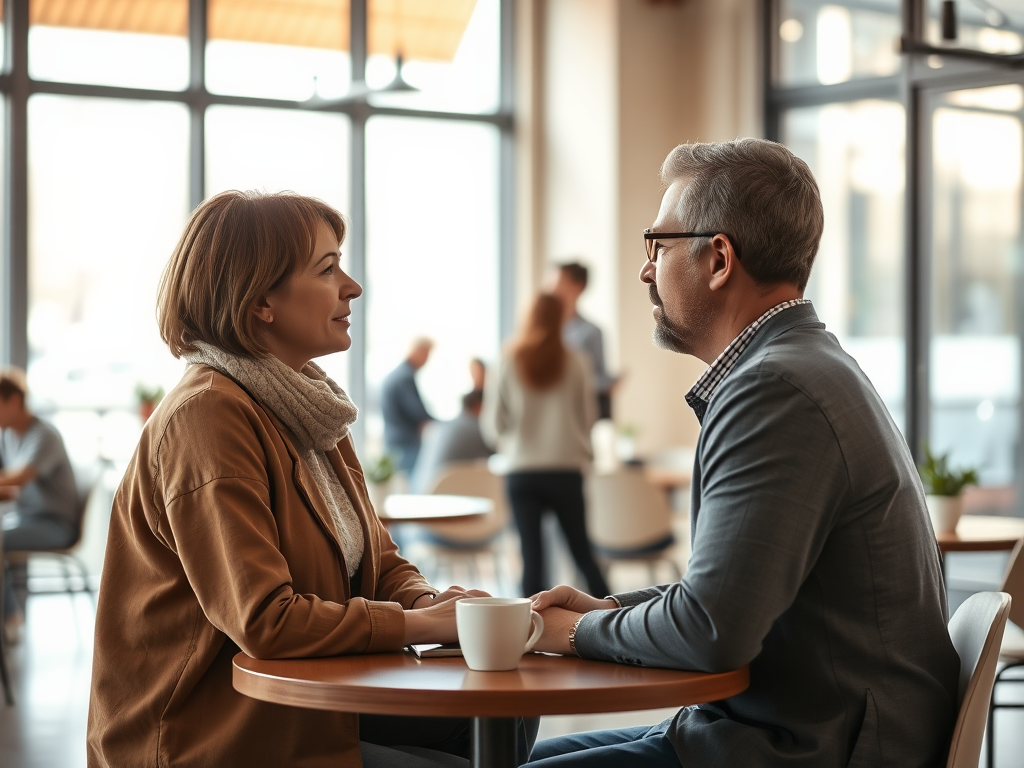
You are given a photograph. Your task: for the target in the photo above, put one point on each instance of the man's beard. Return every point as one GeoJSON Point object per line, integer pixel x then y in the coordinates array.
{"type": "Point", "coordinates": [668, 335]}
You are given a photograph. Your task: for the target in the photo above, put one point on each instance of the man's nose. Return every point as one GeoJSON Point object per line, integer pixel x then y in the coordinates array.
{"type": "Point", "coordinates": [647, 272]}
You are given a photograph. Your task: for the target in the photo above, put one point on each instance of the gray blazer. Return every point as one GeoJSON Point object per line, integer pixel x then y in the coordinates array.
{"type": "Point", "coordinates": [813, 561]}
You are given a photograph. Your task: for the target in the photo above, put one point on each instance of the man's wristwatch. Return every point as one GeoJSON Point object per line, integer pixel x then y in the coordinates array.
{"type": "Point", "coordinates": [572, 636]}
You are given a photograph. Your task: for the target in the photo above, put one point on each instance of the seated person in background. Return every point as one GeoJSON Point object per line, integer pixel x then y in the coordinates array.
{"type": "Point", "coordinates": [405, 415]}
{"type": "Point", "coordinates": [38, 476]}
{"type": "Point", "coordinates": [243, 522]}
{"type": "Point", "coordinates": [448, 441]}
{"type": "Point", "coordinates": [813, 558]}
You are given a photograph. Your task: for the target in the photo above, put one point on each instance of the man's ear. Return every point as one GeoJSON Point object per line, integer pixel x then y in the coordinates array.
{"type": "Point", "coordinates": [723, 260]}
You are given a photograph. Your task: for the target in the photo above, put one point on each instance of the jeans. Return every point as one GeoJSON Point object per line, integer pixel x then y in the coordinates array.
{"type": "Point", "coordinates": [426, 742]}
{"type": "Point", "coordinates": [643, 747]}
{"type": "Point", "coordinates": [530, 495]}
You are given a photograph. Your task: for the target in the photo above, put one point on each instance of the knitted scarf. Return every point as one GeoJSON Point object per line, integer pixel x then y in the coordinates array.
{"type": "Point", "coordinates": [316, 411]}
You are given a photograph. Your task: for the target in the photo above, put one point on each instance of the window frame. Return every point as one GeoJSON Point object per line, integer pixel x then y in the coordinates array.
{"type": "Point", "coordinates": [17, 87]}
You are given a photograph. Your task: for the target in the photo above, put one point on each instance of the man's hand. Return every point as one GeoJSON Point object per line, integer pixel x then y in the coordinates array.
{"type": "Point", "coordinates": [557, 623]}
{"type": "Point", "coordinates": [571, 599]}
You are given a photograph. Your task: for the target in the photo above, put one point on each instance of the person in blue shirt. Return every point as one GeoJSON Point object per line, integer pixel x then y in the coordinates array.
{"type": "Point", "coordinates": [405, 416]}
{"type": "Point", "coordinates": [578, 333]}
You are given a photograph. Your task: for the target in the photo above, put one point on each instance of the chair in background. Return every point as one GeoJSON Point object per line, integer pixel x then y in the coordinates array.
{"type": "Point", "coordinates": [976, 630]}
{"type": "Point", "coordinates": [5, 676]}
{"type": "Point", "coordinates": [465, 541]}
{"type": "Point", "coordinates": [86, 481]}
{"type": "Point", "coordinates": [1011, 652]}
{"type": "Point", "coordinates": [629, 519]}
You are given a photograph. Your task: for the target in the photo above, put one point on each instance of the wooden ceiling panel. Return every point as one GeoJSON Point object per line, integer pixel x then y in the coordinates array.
{"type": "Point", "coordinates": [418, 29]}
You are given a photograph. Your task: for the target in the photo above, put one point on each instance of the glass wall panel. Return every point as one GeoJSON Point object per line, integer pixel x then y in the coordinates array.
{"type": "Point", "coordinates": [981, 25]}
{"type": "Point", "coordinates": [855, 151]}
{"type": "Point", "coordinates": [976, 256]}
{"type": "Point", "coordinates": [432, 255]}
{"type": "Point", "coordinates": [108, 196]}
{"type": "Point", "coordinates": [274, 150]}
{"type": "Point", "coordinates": [141, 45]}
{"type": "Point", "coordinates": [450, 48]}
{"type": "Point", "coordinates": [278, 49]}
{"type": "Point", "coordinates": [824, 43]}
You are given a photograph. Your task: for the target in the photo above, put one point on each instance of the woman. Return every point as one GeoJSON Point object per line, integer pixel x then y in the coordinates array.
{"type": "Point", "coordinates": [541, 407]}
{"type": "Point", "coordinates": [243, 522]}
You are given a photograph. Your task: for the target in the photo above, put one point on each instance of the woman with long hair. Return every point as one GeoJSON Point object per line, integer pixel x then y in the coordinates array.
{"type": "Point", "coordinates": [540, 408]}
{"type": "Point", "coordinates": [243, 521]}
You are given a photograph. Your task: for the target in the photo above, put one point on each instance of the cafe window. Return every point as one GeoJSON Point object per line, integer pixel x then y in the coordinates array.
{"type": "Point", "coordinates": [119, 128]}
{"type": "Point", "coordinates": [919, 267]}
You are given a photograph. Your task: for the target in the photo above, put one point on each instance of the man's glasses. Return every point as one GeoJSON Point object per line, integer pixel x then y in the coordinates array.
{"type": "Point", "coordinates": [651, 240]}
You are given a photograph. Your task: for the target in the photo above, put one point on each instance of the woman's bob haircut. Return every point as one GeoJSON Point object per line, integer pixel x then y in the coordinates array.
{"type": "Point", "coordinates": [236, 247]}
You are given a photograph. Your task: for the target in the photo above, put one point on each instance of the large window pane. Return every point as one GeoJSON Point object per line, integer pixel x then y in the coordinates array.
{"type": "Point", "coordinates": [976, 252]}
{"type": "Point", "coordinates": [450, 48]}
{"type": "Point", "coordinates": [823, 43]}
{"type": "Point", "coordinates": [278, 48]}
{"type": "Point", "coordinates": [981, 25]}
{"type": "Point", "coordinates": [274, 150]}
{"type": "Point", "coordinates": [857, 286]}
{"type": "Point", "coordinates": [432, 254]}
{"type": "Point", "coordinates": [107, 201]}
{"type": "Point", "coordinates": [143, 44]}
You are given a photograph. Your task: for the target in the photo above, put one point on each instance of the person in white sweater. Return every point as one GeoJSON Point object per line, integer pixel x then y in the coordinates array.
{"type": "Point", "coordinates": [539, 409]}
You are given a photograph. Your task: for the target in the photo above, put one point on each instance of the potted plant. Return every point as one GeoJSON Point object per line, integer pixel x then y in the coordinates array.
{"type": "Point", "coordinates": [148, 397]}
{"type": "Point", "coordinates": [943, 488]}
{"type": "Point", "coordinates": [379, 476]}
{"type": "Point", "coordinates": [625, 443]}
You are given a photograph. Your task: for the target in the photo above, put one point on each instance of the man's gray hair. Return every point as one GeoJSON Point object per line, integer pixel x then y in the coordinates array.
{"type": "Point", "coordinates": [760, 195]}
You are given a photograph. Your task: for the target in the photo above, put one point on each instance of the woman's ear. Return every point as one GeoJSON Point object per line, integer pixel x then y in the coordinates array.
{"type": "Point", "coordinates": [262, 309]}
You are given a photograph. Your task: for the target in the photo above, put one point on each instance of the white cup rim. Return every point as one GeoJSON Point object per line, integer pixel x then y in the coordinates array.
{"type": "Point", "coordinates": [494, 601]}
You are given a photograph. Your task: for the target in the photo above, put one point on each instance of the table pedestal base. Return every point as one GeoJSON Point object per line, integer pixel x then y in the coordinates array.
{"type": "Point", "coordinates": [494, 742]}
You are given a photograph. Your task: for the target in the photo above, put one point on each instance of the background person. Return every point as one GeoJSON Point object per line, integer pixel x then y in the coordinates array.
{"type": "Point", "coordinates": [37, 475]}
{"type": "Point", "coordinates": [813, 557]}
{"type": "Point", "coordinates": [242, 521]}
{"type": "Point", "coordinates": [570, 280]}
{"type": "Point", "coordinates": [458, 439]}
{"type": "Point", "coordinates": [540, 407]}
{"type": "Point", "coordinates": [404, 414]}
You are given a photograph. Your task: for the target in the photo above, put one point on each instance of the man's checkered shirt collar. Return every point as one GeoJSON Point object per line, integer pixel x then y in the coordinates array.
{"type": "Point", "coordinates": [702, 392]}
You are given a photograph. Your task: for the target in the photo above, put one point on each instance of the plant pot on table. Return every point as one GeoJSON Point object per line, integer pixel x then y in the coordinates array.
{"type": "Point", "coordinates": [945, 512]}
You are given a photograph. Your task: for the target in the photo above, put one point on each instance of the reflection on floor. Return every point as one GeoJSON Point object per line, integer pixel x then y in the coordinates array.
{"type": "Point", "coordinates": [51, 668]}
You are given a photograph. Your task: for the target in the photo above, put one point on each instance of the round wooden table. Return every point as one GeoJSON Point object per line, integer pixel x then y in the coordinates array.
{"type": "Point", "coordinates": [433, 508]}
{"type": "Point", "coordinates": [401, 684]}
{"type": "Point", "coordinates": [982, 533]}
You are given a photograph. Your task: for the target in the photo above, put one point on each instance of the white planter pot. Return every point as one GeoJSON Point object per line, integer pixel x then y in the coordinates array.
{"type": "Point", "coordinates": [945, 512]}
{"type": "Point", "coordinates": [378, 492]}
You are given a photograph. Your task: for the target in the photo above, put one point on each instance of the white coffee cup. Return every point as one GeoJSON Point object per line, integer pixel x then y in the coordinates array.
{"type": "Point", "coordinates": [494, 632]}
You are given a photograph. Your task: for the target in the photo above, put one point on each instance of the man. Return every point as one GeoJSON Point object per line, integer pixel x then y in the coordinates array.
{"type": "Point", "coordinates": [37, 475]}
{"type": "Point", "coordinates": [813, 559]}
{"type": "Point", "coordinates": [405, 416]}
{"type": "Point", "coordinates": [448, 441]}
{"type": "Point", "coordinates": [582, 335]}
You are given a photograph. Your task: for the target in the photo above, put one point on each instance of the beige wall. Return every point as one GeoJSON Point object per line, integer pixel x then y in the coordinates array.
{"type": "Point", "coordinates": [609, 87]}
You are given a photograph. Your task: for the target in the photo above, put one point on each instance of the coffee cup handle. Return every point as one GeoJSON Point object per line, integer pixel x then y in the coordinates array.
{"type": "Point", "coordinates": [538, 630]}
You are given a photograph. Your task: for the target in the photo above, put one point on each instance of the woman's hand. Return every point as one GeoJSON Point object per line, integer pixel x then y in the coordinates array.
{"type": "Point", "coordinates": [571, 599]}
{"type": "Point", "coordinates": [452, 593]}
{"type": "Point", "coordinates": [435, 623]}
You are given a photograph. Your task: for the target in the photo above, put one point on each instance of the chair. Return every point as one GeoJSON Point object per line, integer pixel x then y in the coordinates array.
{"type": "Point", "coordinates": [628, 518]}
{"type": "Point", "coordinates": [1011, 652]}
{"type": "Point", "coordinates": [468, 539]}
{"type": "Point", "coordinates": [976, 630]}
{"type": "Point", "coordinates": [86, 481]}
{"type": "Point", "coordinates": [5, 676]}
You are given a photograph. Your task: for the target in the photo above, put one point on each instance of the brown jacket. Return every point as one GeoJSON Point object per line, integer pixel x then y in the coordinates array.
{"type": "Point", "coordinates": [220, 541]}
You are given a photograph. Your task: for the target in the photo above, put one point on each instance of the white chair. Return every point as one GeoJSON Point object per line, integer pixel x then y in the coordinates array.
{"type": "Point", "coordinates": [1011, 651]}
{"type": "Point", "coordinates": [629, 519]}
{"type": "Point", "coordinates": [976, 630]}
{"type": "Point", "coordinates": [464, 541]}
